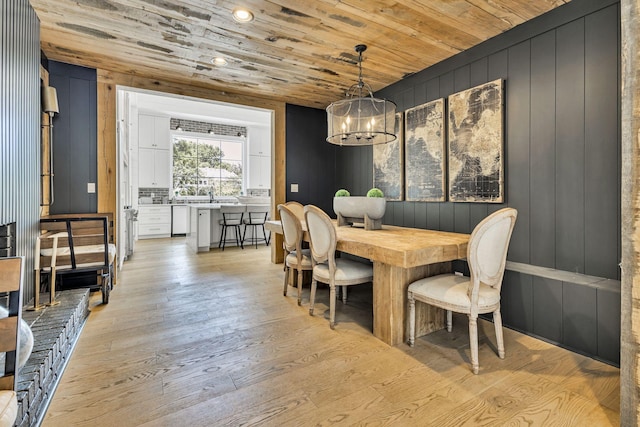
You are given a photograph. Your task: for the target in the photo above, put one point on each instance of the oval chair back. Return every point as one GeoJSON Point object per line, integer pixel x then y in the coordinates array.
{"type": "Point", "coordinates": [291, 229]}
{"type": "Point", "coordinates": [297, 209]}
{"type": "Point", "coordinates": [322, 235]}
{"type": "Point", "coordinates": [487, 250]}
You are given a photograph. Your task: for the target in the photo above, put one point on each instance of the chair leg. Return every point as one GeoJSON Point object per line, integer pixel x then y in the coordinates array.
{"type": "Point", "coordinates": [244, 234]}
{"type": "Point", "coordinates": [332, 306]}
{"type": "Point", "coordinates": [344, 294]}
{"type": "Point", "coordinates": [238, 239]}
{"type": "Point", "coordinates": [223, 237]}
{"type": "Point", "coordinates": [286, 280]}
{"type": "Point", "coordinates": [497, 322]}
{"type": "Point", "coordinates": [299, 285]}
{"type": "Point", "coordinates": [312, 295]}
{"type": "Point", "coordinates": [473, 342]}
{"type": "Point", "coordinates": [412, 319]}
{"type": "Point", "coordinates": [449, 320]}
{"type": "Point", "coordinates": [253, 234]}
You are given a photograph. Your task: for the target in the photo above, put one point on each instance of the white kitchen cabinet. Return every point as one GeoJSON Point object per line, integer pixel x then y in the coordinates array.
{"type": "Point", "coordinates": [153, 168]}
{"type": "Point", "coordinates": [259, 141]}
{"type": "Point", "coordinates": [198, 236]}
{"type": "Point", "coordinates": [179, 219]}
{"type": "Point", "coordinates": [153, 132]}
{"type": "Point", "coordinates": [259, 172]}
{"type": "Point", "coordinates": [154, 221]}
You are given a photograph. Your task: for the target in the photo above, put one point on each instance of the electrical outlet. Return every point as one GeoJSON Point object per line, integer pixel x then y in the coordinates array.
{"type": "Point", "coordinates": [294, 188]}
{"type": "Point", "coordinates": [91, 187]}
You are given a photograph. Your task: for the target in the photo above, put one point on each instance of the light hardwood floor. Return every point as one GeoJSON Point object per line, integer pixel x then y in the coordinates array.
{"type": "Point", "coordinates": [209, 340]}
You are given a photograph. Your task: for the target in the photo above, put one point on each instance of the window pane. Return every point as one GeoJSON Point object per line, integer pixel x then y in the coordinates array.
{"type": "Point", "coordinates": [184, 147]}
{"type": "Point", "coordinates": [185, 166]}
{"type": "Point", "coordinates": [233, 168]}
{"type": "Point", "coordinates": [231, 150]}
{"type": "Point", "coordinates": [230, 187]}
{"type": "Point", "coordinates": [202, 165]}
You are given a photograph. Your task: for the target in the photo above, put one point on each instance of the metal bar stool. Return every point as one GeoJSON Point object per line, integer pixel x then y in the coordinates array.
{"type": "Point", "coordinates": [256, 217]}
{"type": "Point", "coordinates": [232, 217]}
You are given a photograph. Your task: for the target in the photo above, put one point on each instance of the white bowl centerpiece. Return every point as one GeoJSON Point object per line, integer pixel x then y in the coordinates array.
{"type": "Point", "coordinates": [360, 209]}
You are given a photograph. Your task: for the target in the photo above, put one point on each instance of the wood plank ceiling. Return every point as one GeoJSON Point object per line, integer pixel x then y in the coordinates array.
{"type": "Point", "coordinates": [297, 51]}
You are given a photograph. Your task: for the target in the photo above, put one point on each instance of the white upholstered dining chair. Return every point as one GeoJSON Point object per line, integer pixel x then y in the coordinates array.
{"type": "Point", "coordinates": [297, 208]}
{"type": "Point", "coordinates": [326, 267]}
{"type": "Point", "coordinates": [477, 294]}
{"type": "Point", "coordinates": [296, 258]}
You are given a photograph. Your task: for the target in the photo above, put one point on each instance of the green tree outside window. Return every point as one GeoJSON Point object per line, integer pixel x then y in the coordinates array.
{"type": "Point", "coordinates": [207, 166]}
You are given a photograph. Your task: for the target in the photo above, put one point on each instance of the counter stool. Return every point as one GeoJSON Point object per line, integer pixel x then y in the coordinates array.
{"type": "Point", "coordinates": [232, 217]}
{"type": "Point", "coordinates": [256, 217]}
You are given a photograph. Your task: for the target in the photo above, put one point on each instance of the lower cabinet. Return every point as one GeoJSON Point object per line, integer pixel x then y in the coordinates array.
{"type": "Point", "coordinates": [199, 229]}
{"type": "Point", "coordinates": [154, 221]}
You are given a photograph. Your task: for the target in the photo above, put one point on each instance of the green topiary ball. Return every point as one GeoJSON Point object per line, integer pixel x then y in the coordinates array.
{"type": "Point", "coordinates": [375, 192]}
{"type": "Point", "coordinates": [342, 193]}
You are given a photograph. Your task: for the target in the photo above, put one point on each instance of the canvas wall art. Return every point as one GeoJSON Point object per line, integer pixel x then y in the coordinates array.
{"type": "Point", "coordinates": [388, 167]}
{"type": "Point", "coordinates": [425, 152]}
{"type": "Point", "coordinates": [475, 136]}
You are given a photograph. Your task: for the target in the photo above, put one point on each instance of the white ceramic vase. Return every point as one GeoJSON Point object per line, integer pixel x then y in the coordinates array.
{"type": "Point", "coordinates": [367, 210]}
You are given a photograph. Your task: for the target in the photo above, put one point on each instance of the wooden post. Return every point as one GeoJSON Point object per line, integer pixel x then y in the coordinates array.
{"type": "Point", "coordinates": [630, 212]}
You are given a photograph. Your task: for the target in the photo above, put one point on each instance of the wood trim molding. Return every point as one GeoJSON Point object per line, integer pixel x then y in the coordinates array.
{"type": "Point", "coordinates": [630, 209]}
{"type": "Point", "coordinates": [106, 145]}
{"type": "Point", "coordinates": [45, 150]}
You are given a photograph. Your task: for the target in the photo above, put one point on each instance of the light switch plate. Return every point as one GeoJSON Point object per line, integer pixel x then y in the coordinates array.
{"type": "Point", "coordinates": [91, 187]}
{"type": "Point", "coordinates": [294, 188]}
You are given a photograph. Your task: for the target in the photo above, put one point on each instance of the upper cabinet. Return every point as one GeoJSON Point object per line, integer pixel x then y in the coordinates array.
{"type": "Point", "coordinates": [259, 158]}
{"type": "Point", "coordinates": [259, 141]}
{"type": "Point", "coordinates": [153, 151]}
{"type": "Point", "coordinates": [153, 132]}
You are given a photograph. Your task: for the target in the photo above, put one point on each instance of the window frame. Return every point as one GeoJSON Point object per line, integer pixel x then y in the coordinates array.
{"type": "Point", "coordinates": [205, 136]}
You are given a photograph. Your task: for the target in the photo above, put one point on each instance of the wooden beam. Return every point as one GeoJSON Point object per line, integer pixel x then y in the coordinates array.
{"type": "Point", "coordinates": [630, 213]}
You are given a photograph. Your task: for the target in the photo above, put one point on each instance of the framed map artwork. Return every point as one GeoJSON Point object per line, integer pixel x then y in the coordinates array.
{"type": "Point", "coordinates": [388, 170]}
{"type": "Point", "coordinates": [425, 152]}
{"type": "Point", "coordinates": [476, 147]}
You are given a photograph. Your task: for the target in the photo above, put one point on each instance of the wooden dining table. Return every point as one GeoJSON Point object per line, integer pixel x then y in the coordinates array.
{"type": "Point", "coordinates": [400, 256]}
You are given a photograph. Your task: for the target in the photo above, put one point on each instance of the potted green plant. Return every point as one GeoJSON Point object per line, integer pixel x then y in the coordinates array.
{"type": "Point", "coordinates": [360, 209]}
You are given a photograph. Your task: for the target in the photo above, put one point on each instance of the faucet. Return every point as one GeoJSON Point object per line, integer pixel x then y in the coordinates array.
{"type": "Point", "coordinates": [211, 197]}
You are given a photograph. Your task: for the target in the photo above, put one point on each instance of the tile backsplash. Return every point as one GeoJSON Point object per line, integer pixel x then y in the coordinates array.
{"type": "Point", "coordinates": [159, 195]}
{"type": "Point", "coordinates": [258, 192]}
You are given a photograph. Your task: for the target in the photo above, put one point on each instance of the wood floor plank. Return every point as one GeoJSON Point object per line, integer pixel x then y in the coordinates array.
{"type": "Point", "coordinates": [209, 340]}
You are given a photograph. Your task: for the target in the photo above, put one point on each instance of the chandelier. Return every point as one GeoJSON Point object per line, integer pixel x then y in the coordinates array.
{"type": "Point", "coordinates": [361, 119]}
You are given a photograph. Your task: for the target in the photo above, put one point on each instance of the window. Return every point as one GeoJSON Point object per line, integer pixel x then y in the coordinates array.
{"type": "Point", "coordinates": [207, 166]}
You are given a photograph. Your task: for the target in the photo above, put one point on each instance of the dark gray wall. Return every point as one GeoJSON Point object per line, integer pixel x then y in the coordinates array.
{"type": "Point", "coordinates": [562, 161]}
{"type": "Point", "coordinates": [310, 160]}
{"type": "Point", "coordinates": [74, 138]}
{"type": "Point", "coordinates": [20, 129]}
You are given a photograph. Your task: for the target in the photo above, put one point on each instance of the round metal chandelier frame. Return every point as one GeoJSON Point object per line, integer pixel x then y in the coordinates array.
{"type": "Point", "coordinates": [360, 118]}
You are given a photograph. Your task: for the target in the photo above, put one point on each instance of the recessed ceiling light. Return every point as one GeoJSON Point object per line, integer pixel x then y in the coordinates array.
{"type": "Point", "coordinates": [219, 61]}
{"type": "Point", "coordinates": [242, 15]}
